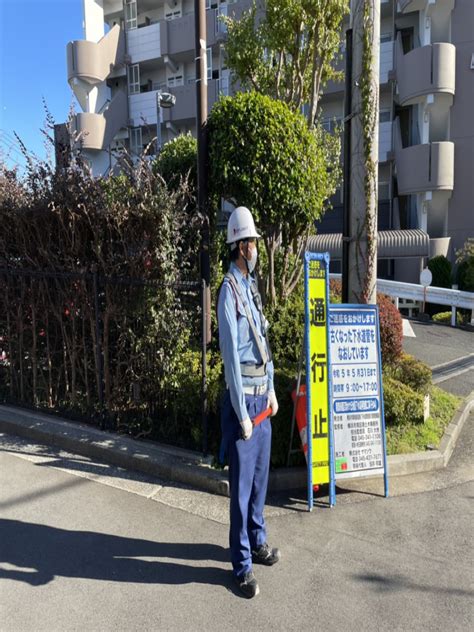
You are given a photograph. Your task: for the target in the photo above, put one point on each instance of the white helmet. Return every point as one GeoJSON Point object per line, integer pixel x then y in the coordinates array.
{"type": "Point", "coordinates": [241, 226]}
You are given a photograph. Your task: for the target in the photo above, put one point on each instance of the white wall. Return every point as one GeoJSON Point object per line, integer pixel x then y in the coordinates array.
{"type": "Point", "coordinates": [93, 12]}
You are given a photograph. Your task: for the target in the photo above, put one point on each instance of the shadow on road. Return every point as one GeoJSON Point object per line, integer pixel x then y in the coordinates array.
{"type": "Point", "coordinates": [384, 583]}
{"type": "Point", "coordinates": [40, 553]}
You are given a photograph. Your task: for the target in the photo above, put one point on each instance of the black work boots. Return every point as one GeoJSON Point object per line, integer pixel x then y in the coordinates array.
{"type": "Point", "coordinates": [265, 555]}
{"type": "Point", "coordinates": [247, 585]}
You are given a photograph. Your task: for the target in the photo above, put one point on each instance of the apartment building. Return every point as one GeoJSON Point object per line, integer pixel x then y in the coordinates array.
{"type": "Point", "coordinates": [135, 49]}
{"type": "Point", "coordinates": [426, 130]}
{"type": "Point", "coordinates": [132, 51]}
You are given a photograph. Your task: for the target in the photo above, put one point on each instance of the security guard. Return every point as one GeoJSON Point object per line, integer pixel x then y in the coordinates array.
{"type": "Point", "coordinates": [249, 379]}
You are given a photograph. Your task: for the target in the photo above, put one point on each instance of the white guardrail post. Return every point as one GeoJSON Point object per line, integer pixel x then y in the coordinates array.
{"type": "Point", "coordinates": [453, 298]}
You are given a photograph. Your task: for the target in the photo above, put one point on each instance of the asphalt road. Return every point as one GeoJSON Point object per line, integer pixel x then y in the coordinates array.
{"type": "Point", "coordinates": [84, 546]}
{"type": "Point", "coordinates": [449, 351]}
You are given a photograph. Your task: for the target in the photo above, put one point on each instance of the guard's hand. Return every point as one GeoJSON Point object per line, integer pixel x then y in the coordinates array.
{"type": "Point", "coordinates": [247, 428]}
{"type": "Point", "coordinates": [272, 403]}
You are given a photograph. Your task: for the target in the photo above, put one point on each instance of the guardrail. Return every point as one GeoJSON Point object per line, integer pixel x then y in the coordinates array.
{"type": "Point", "coordinates": [442, 296]}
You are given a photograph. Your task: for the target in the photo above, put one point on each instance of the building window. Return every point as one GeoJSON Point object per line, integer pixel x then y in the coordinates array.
{"type": "Point", "coordinates": [333, 124]}
{"type": "Point", "coordinates": [136, 142]}
{"type": "Point", "coordinates": [223, 85]}
{"type": "Point", "coordinates": [384, 191]}
{"type": "Point", "coordinates": [385, 116]}
{"type": "Point", "coordinates": [209, 63]}
{"type": "Point", "coordinates": [385, 37]}
{"type": "Point", "coordinates": [130, 14]}
{"type": "Point", "coordinates": [176, 80]}
{"type": "Point", "coordinates": [174, 12]}
{"type": "Point", "coordinates": [221, 26]}
{"type": "Point", "coordinates": [134, 79]}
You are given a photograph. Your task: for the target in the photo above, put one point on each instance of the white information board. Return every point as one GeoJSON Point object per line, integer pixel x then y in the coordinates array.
{"type": "Point", "coordinates": [356, 398]}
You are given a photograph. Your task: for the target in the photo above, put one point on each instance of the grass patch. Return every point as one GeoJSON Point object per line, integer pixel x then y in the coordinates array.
{"type": "Point", "coordinates": [414, 437]}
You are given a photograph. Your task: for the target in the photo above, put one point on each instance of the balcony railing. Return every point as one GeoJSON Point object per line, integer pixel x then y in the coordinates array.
{"type": "Point", "coordinates": [428, 167]}
{"type": "Point", "coordinates": [407, 6]}
{"type": "Point", "coordinates": [426, 70]}
{"type": "Point", "coordinates": [145, 43]}
{"type": "Point", "coordinates": [420, 168]}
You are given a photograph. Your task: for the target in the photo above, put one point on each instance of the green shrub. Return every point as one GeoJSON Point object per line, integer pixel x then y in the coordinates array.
{"type": "Point", "coordinates": [445, 318]}
{"type": "Point", "coordinates": [402, 404]}
{"type": "Point", "coordinates": [187, 428]}
{"type": "Point", "coordinates": [391, 330]}
{"type": "Point", "coordinates": [287, 329]}
{"type": "Point", "coordinates": [177, 162]}
{"type": "Point", "coordinates": [465, 275]}
{"type": "Point", "coordinates": [441, 269]}
{"type": "Point", "coordinates": [465, 258]}
{"type": "Point", "coordinates": [416, 437]}
{"type": "Point", "coordinates": [412, 372]}
{"type": "Point", "coordinates": [262, 154]}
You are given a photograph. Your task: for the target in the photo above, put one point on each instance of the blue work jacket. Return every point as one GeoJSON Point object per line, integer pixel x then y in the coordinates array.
{"type": "Point", "coordinates": [236, 340]}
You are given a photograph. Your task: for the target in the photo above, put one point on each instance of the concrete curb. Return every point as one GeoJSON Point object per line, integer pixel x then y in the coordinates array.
{"type": "Point", "coordinates": [186, 466]}
{"type": "Point", "coordinates": [175, 464]}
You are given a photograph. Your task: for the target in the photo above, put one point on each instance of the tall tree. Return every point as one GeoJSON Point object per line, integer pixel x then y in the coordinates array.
{"type": "Point", "coordinates": [287, 49]}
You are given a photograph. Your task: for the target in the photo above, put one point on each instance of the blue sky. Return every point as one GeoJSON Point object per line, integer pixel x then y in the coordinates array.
{"type": "Point", "coordinates": [33, 38]}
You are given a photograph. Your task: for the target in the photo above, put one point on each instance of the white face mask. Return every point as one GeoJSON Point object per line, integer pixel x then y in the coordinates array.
{"type": "Point", "coordinates": [252, 262]}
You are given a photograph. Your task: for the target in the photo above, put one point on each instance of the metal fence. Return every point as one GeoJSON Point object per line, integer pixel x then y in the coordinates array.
{"type": "Point", "coordinates": [452, 298]}
{"type": "Point", "coordinates": [118, 352]}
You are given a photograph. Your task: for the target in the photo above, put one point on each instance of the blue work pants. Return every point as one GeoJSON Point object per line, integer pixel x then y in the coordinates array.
{"type": "Point", "coordinates": [249, 464]}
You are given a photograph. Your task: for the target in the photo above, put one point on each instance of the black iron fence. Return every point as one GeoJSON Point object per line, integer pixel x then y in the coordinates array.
{"type": "Point", "coordinates": [119, 352]}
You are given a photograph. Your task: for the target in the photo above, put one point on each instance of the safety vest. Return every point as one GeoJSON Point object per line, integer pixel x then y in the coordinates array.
{"type": "Point", "coordinates": [248, 370]}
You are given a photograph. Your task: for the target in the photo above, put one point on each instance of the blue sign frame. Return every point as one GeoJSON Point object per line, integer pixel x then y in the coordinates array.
{"type": "Point", "coordinates": [373, 308]}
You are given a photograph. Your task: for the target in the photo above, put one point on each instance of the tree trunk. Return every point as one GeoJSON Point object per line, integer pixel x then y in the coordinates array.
{"type": "Point", "coordinates": [362, 252]}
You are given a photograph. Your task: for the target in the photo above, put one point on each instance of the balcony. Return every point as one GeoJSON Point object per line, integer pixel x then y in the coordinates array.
{"type": "Point", "coordinates": [143, 108]}
{"type": "Point", "coordinates": [177, 36]}
{"type": "Point", "coordinates": [96, 131]}
{"type": "Point", "coordinates": [185, 106]}
{"type": "Point", "coordinates": [407, 6]}
{"type": "Point", "coordinates": [427, 70]}
{"type": "Point", "coordinates": [427, 167]}
{"type": "Point", "coordinates": [93, 62]}
{"type": "Point", "coordinates": [420, 168]}
{"type": "Point", "coordinates": [145, 43]}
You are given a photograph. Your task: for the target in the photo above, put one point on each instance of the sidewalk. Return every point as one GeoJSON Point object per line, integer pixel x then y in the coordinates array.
{"type": "Point", "coordinates": [191, 468]}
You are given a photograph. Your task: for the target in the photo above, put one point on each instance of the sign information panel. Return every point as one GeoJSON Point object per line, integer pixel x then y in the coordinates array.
{"type": "Point", "coordinates": [317, 371]}
{"type": "Point", "coordinates": [356, 398]}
